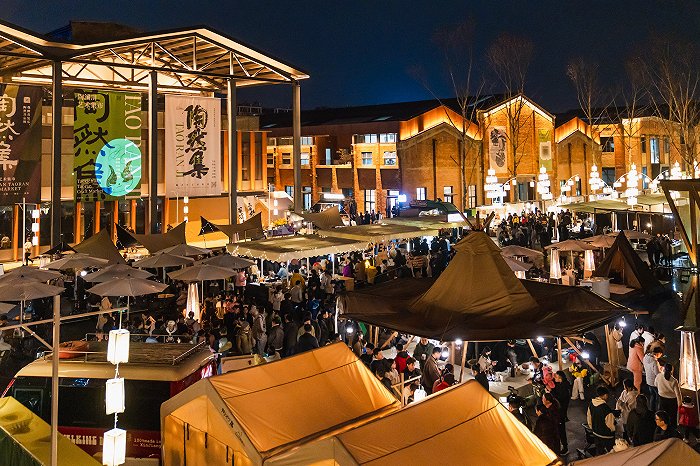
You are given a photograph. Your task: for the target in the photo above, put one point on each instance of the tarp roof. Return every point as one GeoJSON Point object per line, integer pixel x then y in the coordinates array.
{"type": "Point", "coordinates": [460, 425]}
{"type": "Point", "coordinates": [478, 298]}
{"type": "Point", "coordinates": [286, 248]}
{"type": "Point", "coordinates": [376, 232]}
{"type": "Point", "coordinates": [597, 206]}
{"type": "Point", "coordinates": [427, 221]}
{"type": "Point", "coordinates": [622, 261]}
{"type": "Point", "coordinates": [24, 439]}
{"type": "Point", "coordinates": [100, 245]}
{"type": "Point", "coordinates": [158, 241]}
{"type": "Point", "coordinates": [250, 229]}
{"type": "Point", "coordinates": [263, 410]}
{"type": "Point", "coordinates": [665, 452]}
{"type": "Point", "coordinates": [329, 218]}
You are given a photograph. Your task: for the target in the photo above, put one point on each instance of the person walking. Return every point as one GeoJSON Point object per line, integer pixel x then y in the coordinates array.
{"type": "Point", "coordinates": [669, 394]}
{"type": "Point", "coordinates": [635, 361]}
{"type": "Point", "coordinates": [430, 369]}
{"type": "Point", "coordinates": [28, 251]}
{"type": "Point", "coordinates": [562, 393]}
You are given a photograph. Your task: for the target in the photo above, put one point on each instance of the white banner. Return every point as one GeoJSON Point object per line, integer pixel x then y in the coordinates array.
{"type": "Point", "coordinates": [498, 154]}
{"type": "Point", "coordinates": [192, 146]}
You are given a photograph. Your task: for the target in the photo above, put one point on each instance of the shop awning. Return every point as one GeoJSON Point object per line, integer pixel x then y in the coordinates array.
{"type": "Point", "coordinates": [285, 248]}
{"type": "Point", "coordinates": [478, 298]}
{"type": "Point", "coordinates": [259, 412]}
{"type": "Point", "coordinates": [377, 232]}
{"type": "Point", "coordinates": [461, 425]}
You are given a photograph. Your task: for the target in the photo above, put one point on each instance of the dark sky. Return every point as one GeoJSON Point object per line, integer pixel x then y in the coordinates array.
{"type": "Point", "coordinates": [359, 52]}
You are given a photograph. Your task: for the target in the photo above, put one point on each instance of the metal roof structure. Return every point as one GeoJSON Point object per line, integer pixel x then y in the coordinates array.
{"type": "Point", "coordinates": [196, 59]}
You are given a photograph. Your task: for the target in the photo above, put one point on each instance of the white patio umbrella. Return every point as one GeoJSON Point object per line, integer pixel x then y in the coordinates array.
{"type": "Point", "coordinates": [22, 289]}
{"type": "Point", "coordinates": [516, 265]}
{"type": "Point", "coordinates": [520, 251]}
{"type": "Point", "coordinates": [571, 245]}
{"type": "Point", "coordinates": [115, 271]}
{"type": "Point", "coordinates": [129, 286]}
{"type": "Point", "coordinates": [77, 262]}
{"type": "Point", "coordinates": [201, 272]}
{"type": "Point", "coordinates": [32, 273]}
{"type": "Point", "coordinates": [228, 261]}
{"type": "Point", "coordinates": [600, 241]}
{"type": "Point", "coordinates": [186, 250]}
{"type": "Point", "coordinates": [161, 260]}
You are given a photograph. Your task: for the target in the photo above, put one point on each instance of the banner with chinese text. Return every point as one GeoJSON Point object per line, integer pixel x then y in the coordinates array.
{"type": "Point", "coordinates": [498, 153]}
{"type": "Point", "coordinates": [545, 139]}
{"type": "Point", "coordinates": [192, 146]}
{"type": "Point", "coordinates": [20, 144]}
{"type": "Point", "coordinates": [107, 144]}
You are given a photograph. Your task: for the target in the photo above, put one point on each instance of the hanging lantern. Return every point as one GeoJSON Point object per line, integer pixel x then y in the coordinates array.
{"type": "Point", "coordinates": [114, 447]}
{"type": "Point", "coordinates": [632, 190]}
{"type": "Point", "coordinates": [419, 394]}
{"type": "Point", "coordinates": [588, 263]}
{"type": "Point", "coordinates": [114, 396]}
{"type": "Point", "coordinates": [554, 265]}
{"type": "Point", "coordinates": [118, 346]}
{"type": "Point", "coordinates": [193, 300]}
{"type": "Point", "coordinates": [689, 375]}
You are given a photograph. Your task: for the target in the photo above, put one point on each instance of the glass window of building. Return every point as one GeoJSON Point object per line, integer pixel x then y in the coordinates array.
{"type": "Point", "coordinates": [306, 190]}
{"type": "Point", "coordinates": [365, 139]}
{"type": "Point", "coordinates": [667, 145]}
{"type": "Point", "coordinates": [370, 200]}
{"type": "Point", "coordinates": [389, 157]}
{"type": "Point", "coordinates": [304, 158]}
{"type": "Point", "coordinates": [643, 142]}
{"type": "Point", "coordinates": [286, 158]}
{"type": "Point", "coordinates": [421, 194]}
{"type": "Point", "coordinates": [447, 193]}
{"type": "Point", "coordinates": [245, 156]}
{"type": "Point", "coordinates": [289, 190]}
{"type": "Point", "coordinates": [258, 156]}
{"type": "Point", "coordinates": [366, 158]}
{"type": "Point", "coordinates": [386, 138]}
{"type": "Point", "coordinates": [608, 175]}
{"type": "Point", "coordinates": [307, 141]}
{"type": "Point", "coordinates": [270, 159]}
{"type": "Point", "coordinates": [654, 149]}
{"type": "Point", "coordinates": [607, 144]}
{"type": "Point", "coordinates": [471, 196]}
{"type": "Point", "coordinates": [329, 160]}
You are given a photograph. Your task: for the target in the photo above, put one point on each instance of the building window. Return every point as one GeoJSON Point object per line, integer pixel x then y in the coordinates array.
{"type": "Point", "coordinates": [645, 172]}
{"type": "Point", "coordinates": [329, 161]}
{"type": "Point", "coordinates": [421, 194]}
{"type": "Point", "coordinates": [578, 187]}
{"type": "Point", "coordinates": [608, 175]}
{"type": "Point", "coordinates": [607, 144]}
{"type": "Point", "coordinates": [365, 139]}
{"type": "Point", "coordinates": [389, 157]}
{"type": "Point", "coordinates": [270, 159]}
{"type": "Point", "coordinates": [386, 138]}
{"type": "Point", "coordinates": [370, 200]}
{"type": "Point", "coordinates": [667, 145]}
{"type": "Point", "coordinates": [471, 196]}
{"type": "Point", "coordinates": [286, 158]}
{"type": "Point", "coordinates": [258, 157]}
{"type": "Point", "coordinates": [654, 149]}
{"type": "Point", "coordinates": [447, 193]}
{"type": "Point", "coordinates": [289, 190]}
{"type": "Point", "coordinates": [245, 156]}
{"type": "Point", "coordinates": [643, 141]}
{"type": "Point", "coordinates": [347, 192]}
{"type": "Point", "coordinates": [306, 191]}
{"type": "Point", "coordinates": [304, 158]}
{"type": "Point", "coordinates": [307, 141]}
{"type": "Point", "coordinates": [366, 158]}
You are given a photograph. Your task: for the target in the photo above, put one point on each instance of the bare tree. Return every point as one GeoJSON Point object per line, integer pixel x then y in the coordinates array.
{"type": "Point", "coordinates": [629, 105]}
{"type": "Point", "coordinates": [510, 57]}
{"type": "Point", "coordinates": [673, 78]}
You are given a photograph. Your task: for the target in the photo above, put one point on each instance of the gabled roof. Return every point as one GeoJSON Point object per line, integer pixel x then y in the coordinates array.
{"type": "Point", "coordinates": [505, 100]}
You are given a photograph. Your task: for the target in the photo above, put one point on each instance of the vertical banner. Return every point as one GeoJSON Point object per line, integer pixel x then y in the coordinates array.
{"type": "Point", "coordinates": [192, 146]}
{"type": "Point", "coordinates": [20, 144]}
{"type": "Point", "coordinates": [107, 144]}
{"type": "Point", "coordinates": [545, 139]}
{"type": "Point", "coordinates": [498, 154]}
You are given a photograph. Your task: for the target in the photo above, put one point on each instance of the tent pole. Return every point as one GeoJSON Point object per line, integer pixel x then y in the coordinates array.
{"type": "Point", "coordinates": [532, 348]}
{"type": "Point", "coordinates": [464, 360]}
{"type": "Point", "coordinates": [566, 339]}
{"type": "Point", "coordinates": [560, 362]}
{"type": "Point", "coordinates": [54, 378]}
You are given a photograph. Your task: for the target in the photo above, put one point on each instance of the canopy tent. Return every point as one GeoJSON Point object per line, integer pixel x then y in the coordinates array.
{"type": "Point", "coordinates": [377, 232]}
{"type": "Point", "coordinates": [600, 241]}
{"type": "Point", "coordinates": [623, 264]}
{"type": "Point", "coordinates": [257, 413]}
{"type": "Point", "coordinates": [462, 425]}
{"type": "Point", "coordinates": [601, 205]}
{"type": "Point", "coordinates": [665, 452]}
{"type": "Point", "coordinates": [571, 245]}
{"type": "Point", "coordinates": [159, 241]}
{"type": "Point", "coordinates": [632, 234]}
{"type": "Point", "coordinates": [326, 220]}
{"type": "Point", "coordinates": [59, 249]}
{"type": "Point", "coordinates": [429, 221]}
{"type": "Point", "coordinates": [514, 250]}
{"type": "Point", "coordinates": [517, 265]}
{"type": "Point", "coordinates": [250, 229]}
{"type": "Point", "coordinates": [286, 248]}
{"type": "Point", "coordinates": [101, 246]}
{"type": "Point", "coordinates": [478, 298]}
{"type": "Point", "coordinates": [24, 439]}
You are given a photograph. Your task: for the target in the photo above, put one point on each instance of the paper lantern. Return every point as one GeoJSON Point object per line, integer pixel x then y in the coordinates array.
{"type": "Point", "coordinates": [35, 227]}
{"type": "Point", "coordinates": [689, 375]}
{"type": "Point", "coordinates": [554, 265]}
{"type": "Point", "coordinates": [114, 448]}
{"type": "Point", "coordinates": [35, 213]}
{"type": "Point", "coordinates": [193, 300]}
{"type": "Point", "coordinates": [114, 396]}
{"type": "Point", "coordinates": [419, 394]}
{"type": "Point", "coordinates": [118, 346]}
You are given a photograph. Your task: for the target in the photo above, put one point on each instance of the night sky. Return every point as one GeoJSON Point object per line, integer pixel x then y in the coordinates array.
{"type": "Point", "coordinates": [360, 52]}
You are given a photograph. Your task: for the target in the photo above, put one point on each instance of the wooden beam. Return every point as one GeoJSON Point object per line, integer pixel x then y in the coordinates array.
{"type": "Point", "coordinates": [464, 360]}
{"type": "Point", "coordinates": [532, 348]}
{"type": "Point", "coordinates": [684, 234]}
{"type": "Point", "coordinates": [568, 340]}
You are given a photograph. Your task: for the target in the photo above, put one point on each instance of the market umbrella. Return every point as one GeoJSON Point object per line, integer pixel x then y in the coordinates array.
{"type": "Point", "coordinates": [571, 245]}
{"type": "Point", "coordinates": [201, 272]}
{"type": "Point", "coordinates": [5, 308]}
{"type": "Point", "coordinates": [22, 289]}
{"type": "Point", "coordinates": [186, 250]}
{"type": "Point", "coordinates": [516, 265]}
{"type": "Point", "coordinates": [633, 234]}
{"type": "Point", "coordinates": [33, 273]}
{"type": "Point", "coordinates": [160, 260]}
{"type": "Point", "coordinates": [228, 261]}
{"type": "Point", "coordinates": [600, 241]}
{"type": "Point", "coordinates": [520, 251]}
{"type": "Point", "coordinates": [77, 261]}
{"type": "Point", "coordinates": [59, 248]}
{"type": "Point", "coordinates": [129, 286]}
{"type": "Point", "coordinates": [115, 271]}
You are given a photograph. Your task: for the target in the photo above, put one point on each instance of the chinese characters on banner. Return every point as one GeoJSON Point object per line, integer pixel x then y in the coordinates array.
{"type": "Point", "coordinates": [192, 146]}
{"type": "Point", "coordinates": [107, 144]}
{"type": "Point", "coordinates": [20, 144]}
{"type": "Point", "coordinates": [545, 139]}
{"type": "Point", "coordinates": [498, 153]}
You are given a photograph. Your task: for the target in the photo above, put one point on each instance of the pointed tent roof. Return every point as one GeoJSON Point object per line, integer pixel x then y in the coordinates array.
{"type": "Point", "coordinates": [478, 298]}
{"type": "Point", "coordinates": [623, 261]}
{"type": "Point", "coordinates": [250, 229]}
{"type": "Point", "coordinates": [669, 451]}
{"type": "Point", "coordinates": [264, 410]}
{"type": "Point", "coordinates": [461, 422]}
{"type": "Point", "coordinates": [159, 241]}
{"type": "Point", "coordinates": [326, 220]}
{"type": "Point", "coordinates": [101, 246]}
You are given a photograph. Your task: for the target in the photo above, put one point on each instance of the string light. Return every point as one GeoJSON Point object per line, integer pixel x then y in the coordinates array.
{"type": "Point", "coordinates": [632, 190]}
{"type": "Point", "coordinates": [543, 184]}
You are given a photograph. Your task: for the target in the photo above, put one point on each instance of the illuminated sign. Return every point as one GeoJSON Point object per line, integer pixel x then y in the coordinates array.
{"type": "Point", "coordinates": [120, 163]}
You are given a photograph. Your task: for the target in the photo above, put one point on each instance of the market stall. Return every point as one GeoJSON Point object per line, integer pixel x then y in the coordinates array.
{"type": "Point", "coordinates": [378, 232]}
{"type": "Point", "coordinates": [298, 247]}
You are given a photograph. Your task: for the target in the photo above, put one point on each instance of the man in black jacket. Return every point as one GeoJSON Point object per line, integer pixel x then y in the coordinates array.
{"type": "Point", "coordinates": [306, 341]}
{"type": "Point", "coordinates": [602, 421]}
{"type": "Point", "coordinates": [275, 339]}
{"type": "Point", "coordinates": [291, 329]}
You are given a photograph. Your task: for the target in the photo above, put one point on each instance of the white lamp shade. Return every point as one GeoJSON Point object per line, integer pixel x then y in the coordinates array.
{"type": "Point", "coordinates": [554, 265]}
{"type": "Point", "coordinates": [35, 241]}
{"type": "Point", "coordinates": [114, 396]}
{"type": "Point", "coordinates": [114, 447]}
{"type": "Point", "coordinates": [419, 394]}
{"type": "Point", "coordinates": [118, 346]}
{"type": "Point", "coordinates": [35, 213]}
{"type": "Point", "coordinates": [589, 261]}
{"type": "Point", "coordinates": [193, 300]}
{"type": "Point", "coordinates": [689, 376]}
{"type": "Point", "coordinates": [35, 227]}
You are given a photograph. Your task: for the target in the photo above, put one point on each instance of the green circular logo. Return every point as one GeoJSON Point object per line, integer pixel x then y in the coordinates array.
{"type": "Point", "coordinates": [118, 167]}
